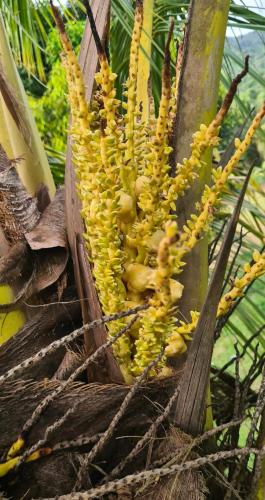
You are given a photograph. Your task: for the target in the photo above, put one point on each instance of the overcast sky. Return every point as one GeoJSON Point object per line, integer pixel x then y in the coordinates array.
{"type": "Point", "coordinates": [255, 5]}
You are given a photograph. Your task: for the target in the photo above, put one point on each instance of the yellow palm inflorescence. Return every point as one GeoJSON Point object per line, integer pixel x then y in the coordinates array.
{"type": "Point", "coordinates": [128, 196]}
{"type": "Point", "coordinates": [252, 272]}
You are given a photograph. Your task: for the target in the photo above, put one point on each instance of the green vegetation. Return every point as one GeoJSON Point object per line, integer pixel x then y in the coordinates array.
{"type": "Point", "coordinates": [49, 102]}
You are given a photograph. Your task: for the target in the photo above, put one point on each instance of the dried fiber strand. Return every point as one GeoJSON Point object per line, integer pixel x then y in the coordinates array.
{"type": "Point", "coordinates": [70, 338]}
{"type": "Point", "coordinates": [236, 479]}
{"type": "Point", "coordinates": [154, 475]}
{"type": "Point", "coordinates": [148, 435]}
{"type": "Point", "coordinates": [244, 350]}
{"type": "Point", "coordinates": [20, 442]}
{"type": "Point", "coordinates": [108, 433]}
{"type": "Point", "coordinates": [76, 443]}
{"type": "Point", "coordinates": [197, 441]}
{"type": "Point", "coordinates": [53, 427]}
{"type": "Point", "coordinates": [43, 405]}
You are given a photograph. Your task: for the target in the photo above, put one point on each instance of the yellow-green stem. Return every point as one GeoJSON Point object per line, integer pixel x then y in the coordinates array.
{"type": "Point", "coordinates": [199, 82]}
{"type": "Point", "coordinates": [33, 168]}
{"type": "Point", "coordinates": [144, 59]}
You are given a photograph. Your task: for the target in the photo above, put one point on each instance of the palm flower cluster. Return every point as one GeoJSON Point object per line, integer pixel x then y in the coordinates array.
{"type": "Point", "coordinates": [129, 198]}
{"type": "Point", "coordinates": [251, 271]}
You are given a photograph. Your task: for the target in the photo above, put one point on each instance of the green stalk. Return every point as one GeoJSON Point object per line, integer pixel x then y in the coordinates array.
{"type": "Point", "coordinates": [259, 487]}
{"type": "Point", "coordinates": [145, 58]}
{"type": "Point", "coordinates": [33, 168]}
{"type": "Point", "coordinates": [260, 492]}
{"type": "Point", "coordinates": [199, 83]}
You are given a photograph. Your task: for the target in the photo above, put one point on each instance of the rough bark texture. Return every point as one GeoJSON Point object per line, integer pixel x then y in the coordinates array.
{"type": "Point", "coordinates": [18, 210]}
{"type": "Point", "coordinates": [49, 323]}
{"type": "Point", "coordinates": [33, 267]}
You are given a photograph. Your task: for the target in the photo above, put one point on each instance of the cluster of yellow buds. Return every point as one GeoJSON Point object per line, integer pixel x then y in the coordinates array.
{"type": "Point", "coordinates": [128, 195]}
{"type": "Point", "coordinates": [158, 322]}
{"type": "Point", "coordinates": [252, 272]}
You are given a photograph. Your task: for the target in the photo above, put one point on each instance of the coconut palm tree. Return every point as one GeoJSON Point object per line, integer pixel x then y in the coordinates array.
{"type": "Point", "coordinates": [53, 421]}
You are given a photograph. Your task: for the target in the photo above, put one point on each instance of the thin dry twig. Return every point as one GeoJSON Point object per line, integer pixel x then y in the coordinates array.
{"type": "Point", "coordinates": [49, 431]}
{"type": "Point", "coordinates": [244, 350]}
{"type": "Point", "coordinates": [241, 465]}
{"type": "Point", "coordinates": [248, 379]}
{"type": "Point", "coordinates": [219, 477]}
{"type": "Point", "coordinates": [109, 431]}
{"type": "Point", "coordinates": [43, 405]}
{"type": "Point", "coordinates": [237, 384]}
{"type": "Point", "coordinates": [70, 338]}
{"type": "Point", "coordinates": [148, 435]}
{"type": "Point", "coordinates": [233, 262]}
{"type": "Point", "coordinates": [196, 442]}
{"type": "Point", "coordinates": [51, 397]}
{"type": "Point", "coordinates": [258, 411]}
{"type": "Point", "coordinates": [214, 243]}
{"type": "Point", "coordinates": [154, 475]}
{"type": "Point", "coordinates": [76, 443]}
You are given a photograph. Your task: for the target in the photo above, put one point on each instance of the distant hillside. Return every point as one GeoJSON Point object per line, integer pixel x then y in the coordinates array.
{"type": "Point", "coordinates": [251, 91]}
{"type": "Point", "coordinates": [253, 44]}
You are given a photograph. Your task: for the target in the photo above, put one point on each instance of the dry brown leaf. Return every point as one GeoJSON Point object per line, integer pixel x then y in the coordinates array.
{"type": "Point", "coordinates": [37, 262]}
{"type": "Point", "coordinates": [50, 230]}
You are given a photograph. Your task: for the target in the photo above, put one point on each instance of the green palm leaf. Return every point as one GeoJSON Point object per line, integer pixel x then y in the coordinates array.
{"type": "Point", "coordinates": [26, 24]}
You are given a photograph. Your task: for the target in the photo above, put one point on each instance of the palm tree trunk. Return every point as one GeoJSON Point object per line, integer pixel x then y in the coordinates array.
{"type": "Point", "coordinates": [199, 83]}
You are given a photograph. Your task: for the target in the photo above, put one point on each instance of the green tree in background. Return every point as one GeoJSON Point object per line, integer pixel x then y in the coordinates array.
{"type": "Point", "coordinates": [52, 107]}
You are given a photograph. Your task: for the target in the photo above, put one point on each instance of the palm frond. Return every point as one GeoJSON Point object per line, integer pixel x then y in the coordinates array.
{"type": "Point", "coordinates": [26, 24]}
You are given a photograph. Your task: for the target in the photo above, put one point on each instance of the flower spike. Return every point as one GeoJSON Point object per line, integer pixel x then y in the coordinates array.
{"type": "Point", "coordinates": [203, 139]}
{"type": "Point", "coordinates": [127, 197]}
{"type": "Point", "coordinates": [210, 197]}
{"type": "Point", "coordinates": [252, 272]}
{"type": "Point", "coordinates": [130, 168]}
